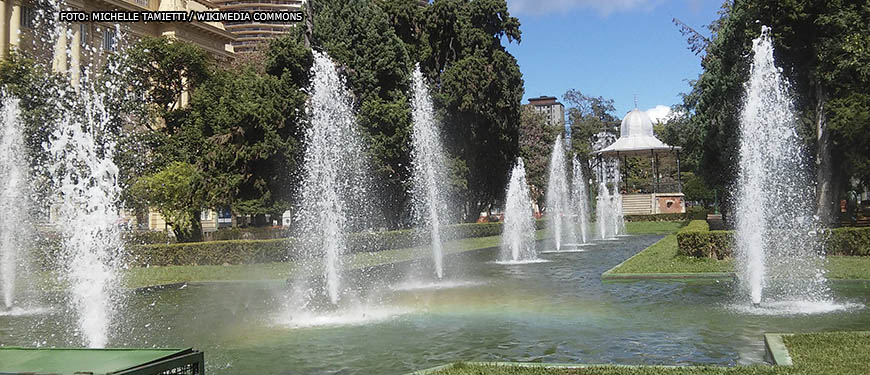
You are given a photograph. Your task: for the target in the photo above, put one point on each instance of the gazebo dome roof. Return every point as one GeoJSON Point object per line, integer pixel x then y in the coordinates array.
{"type": "Point", "coordinates": [636, 124]}
{"type": "Point", "coordinates": [636, 136]}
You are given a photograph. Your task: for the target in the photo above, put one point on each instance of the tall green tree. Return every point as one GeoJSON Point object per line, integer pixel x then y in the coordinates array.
{"type": "Point", "coordinates": [588, 118]}
{"type": "Point", "coordinates": [477, 88]}
{"type": "Point", "coordinates": [359, 37]}
{"type": "Point", "coordinates": [821, 46]}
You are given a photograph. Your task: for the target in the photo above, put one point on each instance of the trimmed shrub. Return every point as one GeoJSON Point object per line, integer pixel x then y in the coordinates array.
{"type": "Point", "coordinates": [657, 217]}
{"type": "Point", "coordinates": [697, 213]}
{"type": "Point", "coordinates": [848, 241]}
{"type": "Point", "coordinates": [249, 233]}
{"type": "Point", "coordinates": [284, 249]}
{"type": "Point", "coordinates": [696, 240]}
{"type": "Point", "coordinates": [215, 253]}
{"type": "Point", "coordinates": [146, 237]}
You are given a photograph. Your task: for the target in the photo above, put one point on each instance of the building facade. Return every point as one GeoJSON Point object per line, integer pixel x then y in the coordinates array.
{"type": "Point", "coordinates": [24, 27]}
{"type": "Point", "coordinates": [249, 36]}
{"type": "Point", "coordinates": [550, 107]}
{"type": "Point", "coordinates": [78, 48]}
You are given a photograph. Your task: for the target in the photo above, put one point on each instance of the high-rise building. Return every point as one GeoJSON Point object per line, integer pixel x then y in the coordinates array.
{"type": "Point", "coordinates": [250, 35]}
{"type": "Point", "coordinates": [549, 106]}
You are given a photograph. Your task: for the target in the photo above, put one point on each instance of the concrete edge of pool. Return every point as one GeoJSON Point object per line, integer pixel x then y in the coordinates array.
{"type": "Point", "coordinates": [776, 349]}
{"type": "Point", "coordinates": [435, 369]}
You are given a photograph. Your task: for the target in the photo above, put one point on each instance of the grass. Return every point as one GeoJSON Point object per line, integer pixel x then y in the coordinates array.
{"type": "Point", "coordinates": [653, 227]}
{"type": "Point", "coordinates": [662, 257]}
{"type": "Point", "coordinates": [150, 276]}
{"type": "Point", "coordinates": [848, 267]}
{"type": "Point", "coordinates": [833, 353]}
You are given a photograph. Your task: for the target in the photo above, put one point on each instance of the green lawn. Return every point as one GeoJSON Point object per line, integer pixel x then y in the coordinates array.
{"type": "Point", "coordinates": [662, 258]}
{"type": "Point", "coordinates": [149, 276]}
{"type": "Point", "coordinates": [836, 353]}
{"type": "Point", "coordinates": [653, 227]}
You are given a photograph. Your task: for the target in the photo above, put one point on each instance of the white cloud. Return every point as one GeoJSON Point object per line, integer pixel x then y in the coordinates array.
{"type": "Point", "coordinates": [603, 7]}
{"type": "Point", "coordinates": [660, 113]}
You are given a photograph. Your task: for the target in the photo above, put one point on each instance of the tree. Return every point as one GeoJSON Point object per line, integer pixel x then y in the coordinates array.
{"type": "Point", "coordinates": [175, 192]}
{"type": "Point", "coordinates": [358, 36]}
{"type": "Point", "coordinates": [477, 89]}
{"type": "Point", "coordinates": [161, 71]}
{"type": "Point", "coordinates": [588, 118]}
{"type": "Point", "coordinates": [536, 139]}
{"type": "Point", "coordinates": [821, 47]}
{"type": "Point", "coordinates": [248, 140]}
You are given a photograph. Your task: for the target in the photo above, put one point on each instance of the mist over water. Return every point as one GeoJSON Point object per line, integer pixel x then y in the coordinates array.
{"type": "Point", "coordinates": [778, 249]}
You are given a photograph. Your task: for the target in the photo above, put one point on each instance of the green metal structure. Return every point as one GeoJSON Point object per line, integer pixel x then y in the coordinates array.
{"type": "Point", "coordinates": [81, 361]}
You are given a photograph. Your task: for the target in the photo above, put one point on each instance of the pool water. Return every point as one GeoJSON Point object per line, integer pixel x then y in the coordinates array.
{"type": "Point", "coordinates": [553, 311]}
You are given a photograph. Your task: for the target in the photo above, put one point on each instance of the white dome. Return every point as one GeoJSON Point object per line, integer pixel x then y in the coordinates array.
{"type": "Point", "coordinates": [636, 136]}
{"type": "Point", "coordinates": [636, 124]}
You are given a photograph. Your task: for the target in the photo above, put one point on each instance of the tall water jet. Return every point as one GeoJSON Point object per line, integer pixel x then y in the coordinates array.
{"type": "Point", "coordinates": [334, 183]}
{"type": "Point", "coordinates": [580, 198]}
{"type": "Point", "coordinates": [427, 157]}
{"type": "Point", "coordinates": [778, 250]}
{"type": "Point", "coordinates": [603, 211]}
{"type": "Point", "coordinates": [558, 205]}
{"type": "Point", "coordinates": [609, 218]}
{"type": "Point", "coordinates": [13, 199]}
{"type": "Point", "coordinates": [86, 179]}
{"type": "Point", "coordinates": [518, 238]}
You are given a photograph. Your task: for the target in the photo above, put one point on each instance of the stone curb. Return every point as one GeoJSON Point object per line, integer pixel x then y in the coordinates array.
{"type": "Point", "coordinates": [776, 349]}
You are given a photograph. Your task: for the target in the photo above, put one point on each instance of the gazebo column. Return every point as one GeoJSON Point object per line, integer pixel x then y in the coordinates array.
{"type": "Point", "coordinates": [679, 175]}
{"type": "Point", "coordinates": [655, 171]}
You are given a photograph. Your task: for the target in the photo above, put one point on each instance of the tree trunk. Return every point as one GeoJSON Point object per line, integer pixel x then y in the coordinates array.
{"type": "Point", "coordinates": [825, 190]}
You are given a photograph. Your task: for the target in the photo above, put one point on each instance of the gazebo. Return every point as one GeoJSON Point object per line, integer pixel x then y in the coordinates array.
{"type": "Point", "coordinates": [664, 193]}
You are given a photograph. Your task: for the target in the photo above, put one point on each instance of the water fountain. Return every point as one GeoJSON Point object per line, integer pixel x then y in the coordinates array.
{"type": "Point", "coordinates": [518, 236]}
{"type": "Point", "coordinates": [86, 179]}
{"type": "Point", "coordinates": [558, 206]}
{"type": "Point", "coordinates": [603, 211]}
{"type": "Point", "coordinates": [427, 157]}
{"type": "Point", "coordinates": [777, 246]}
{"type": "Point", "coordinates": [580, 198]}
{"type": "Point", "coordinates": [13, 199]}
{"type": "Point", "coordinates": [334, 181]}
{"type": "Point", "coordinates": [608, 209]}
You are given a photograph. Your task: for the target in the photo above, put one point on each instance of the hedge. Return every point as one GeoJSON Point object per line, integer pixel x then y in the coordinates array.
{"type": "Point", "coordinates": [848, 241]}
{"type": "Point", "coordinates": [697, 240]}
{"type": "Point", "coordinates": [692, 213]}
{"type": "Point", "coordinates": [279, 250]}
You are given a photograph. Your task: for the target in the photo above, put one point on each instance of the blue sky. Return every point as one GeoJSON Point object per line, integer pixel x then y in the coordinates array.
{"type": "Point", "coordinates": [614, 49]}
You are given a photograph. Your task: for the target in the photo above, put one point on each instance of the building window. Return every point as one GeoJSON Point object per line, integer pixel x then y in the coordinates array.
{"type": "Point", "coordinates": [83, 34]}
{"type": "Point", "coordinates": [110, 42]}
{"type": "Point", "coordinates": [141, 3]}
{"type": "Point", "coordinates": [28, 17]}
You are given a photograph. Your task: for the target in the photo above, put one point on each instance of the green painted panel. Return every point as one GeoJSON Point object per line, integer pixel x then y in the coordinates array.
{"type": "Point", "coordinates": [15, 360]}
